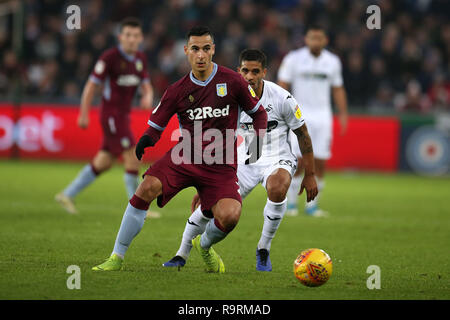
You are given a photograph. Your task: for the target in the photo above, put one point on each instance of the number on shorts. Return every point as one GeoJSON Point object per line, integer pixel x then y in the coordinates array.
{"type": "Point", "coordinates": [112, 125]}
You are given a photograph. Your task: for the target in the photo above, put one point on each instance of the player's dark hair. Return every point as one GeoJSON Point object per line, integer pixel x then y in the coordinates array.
{"type": "Point", "coordinates": [199, 31]}
{"type": "Point", "coordinates": [253, 55]}
{"type": "Point", "coordinates": [130, 22]}
{"type": "Point", "coordinates": [315, 27]}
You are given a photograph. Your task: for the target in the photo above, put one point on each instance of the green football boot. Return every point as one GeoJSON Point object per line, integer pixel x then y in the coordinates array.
{"type": "Point", "coordinates": [212, 260]}
{"type": "Point", "coordinates": [113, 263]}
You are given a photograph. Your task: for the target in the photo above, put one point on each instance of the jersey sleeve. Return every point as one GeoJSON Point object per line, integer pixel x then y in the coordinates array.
{"type": "Point", "coordinates": [286, 70]}
{"type": "Point", "coordinates": [292, 113]}
{"type": "Point", "coordinates": [336, 76]}
{"type": "Point", "coordinates": [101, 69]}
{"type": "Point", "coordinates": [145, 77]}
{"type": "Point", "coordinates": [247, 98]}
{"type": "Point", "coordinates": [161, 115]}
{"type": "Point", "coordinates": [164, 111]}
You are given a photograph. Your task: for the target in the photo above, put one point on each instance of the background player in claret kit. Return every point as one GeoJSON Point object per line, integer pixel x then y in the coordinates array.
{"type": "Point", "coordinates": [273, 169]}
{"type": "Point", "coordinates": [310, 72]}
{"type": "Point", "coordinates": [209, 98]}
{"type": "Point", "coordinates": [120, 70]}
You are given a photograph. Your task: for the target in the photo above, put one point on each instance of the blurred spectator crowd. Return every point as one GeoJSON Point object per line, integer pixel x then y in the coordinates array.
{"type": "Point", "coordinates": [402, 67]}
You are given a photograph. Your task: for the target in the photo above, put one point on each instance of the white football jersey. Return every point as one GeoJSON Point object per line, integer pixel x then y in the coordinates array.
{"type": "Point", "coordinates": [283, 114]}
{"type": "Point", "coordinates": [311, 79]}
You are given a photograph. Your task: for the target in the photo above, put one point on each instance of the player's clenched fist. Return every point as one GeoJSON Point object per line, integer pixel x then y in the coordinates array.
{"type": "Point", "coordinates": [195, 202]}
{"type": "Point", "coordinates": [144, 142]}
{"type": "Point", "coordinates": [83, 121]}
{"type": "Point", "coordinates": [309, 184]}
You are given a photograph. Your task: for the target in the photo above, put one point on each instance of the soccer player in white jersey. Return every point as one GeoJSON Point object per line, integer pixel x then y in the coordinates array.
{"type": "Point", "coordinates": [311, 73]}
{"type": "Point", "coordinates": [275, 167]}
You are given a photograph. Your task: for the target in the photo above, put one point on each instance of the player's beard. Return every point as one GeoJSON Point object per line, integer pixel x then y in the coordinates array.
{"type": "Point", "coordinates": [315, 51]}
{"type": "Point", "coordinates": [131, 49]}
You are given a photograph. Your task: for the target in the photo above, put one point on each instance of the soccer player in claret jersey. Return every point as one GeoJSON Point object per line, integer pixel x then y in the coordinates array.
{"type": "Point", "coordinates": [120, 70]}
{"type": "Point", "coordinates": [273, 170]}
{"type": "Point", "coordinates": [207, 100]}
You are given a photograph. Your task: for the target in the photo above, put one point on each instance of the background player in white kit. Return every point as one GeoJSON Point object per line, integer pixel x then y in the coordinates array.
{"type": "Point", "coordinates": [273, 169]}
{"type": "Point", "coordinates": [311, 73]}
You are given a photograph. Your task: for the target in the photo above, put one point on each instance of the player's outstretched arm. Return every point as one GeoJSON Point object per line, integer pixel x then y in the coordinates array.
{"type": "Point", "coordinates": [195, 202]}
{"type": "Point", "coordinates": [157, 123]}
{"type": "Point", "coordinates": [260, 126]}
{"type": "Point", "coordinates": [144, 142]}
{"type": "Point", "coordinates": [340, 99]}
{"type": "Point", "coordinates": [86, 101]}
{"type": "Point", "coordinates": [309, 180]}
{"type": "Point", "coordinates": [147, 96]}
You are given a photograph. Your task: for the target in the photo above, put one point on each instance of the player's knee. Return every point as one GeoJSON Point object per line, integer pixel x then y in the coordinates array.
{"type": "Point", "coordinates": [277, 191]}
{"type": "Point", "coordinates": [229, 218]}
{"type": "Point", "coordinates": [99, 169]}
{"type": "Point", "coordinates": [149, 188]}
{"type": "Point", "coordinates": [131, 163]}
{"type": "Point", "coordinates": [102, 161]}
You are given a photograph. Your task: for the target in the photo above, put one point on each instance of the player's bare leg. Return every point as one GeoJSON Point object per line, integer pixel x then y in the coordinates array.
{"type": "Point", "coordinates": [101, 162]}
{"type": "Point", "coordinates": [312, 207]}
{"type": "Point", "coordinates": [132, 222]}
{"type": "Point", "coordinates": [131, 177]}
{"type": "Point", "coordinates": [277, 186]}
{"type": "Point", "coordinates": [226, 214]}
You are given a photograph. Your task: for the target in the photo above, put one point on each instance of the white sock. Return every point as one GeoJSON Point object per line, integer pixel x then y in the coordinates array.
{"type": "Point", "coordinates": [195, 225]}
{"type": "Point", "coordinates": [315, 202]}
{"type": "Point", "coordinates": [273, 214]}
{"type": "Point", "coordinates": [132, 222]}
{"type": "Point", "coordinates": [131, 183]}
{"type": "Point", "coordinates": [84, 178]}
{"type": "Point", "coordinates": [211, 235]}
{"type": "Point", "coordinates": [292, 195]}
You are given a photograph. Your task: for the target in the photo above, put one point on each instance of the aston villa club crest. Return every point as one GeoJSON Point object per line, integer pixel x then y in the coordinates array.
{"type": "Point", "coordinates": [139, 65]}
{"type": "Point", "coordinates": [221, 89]}
{"type": "Point", "coordinates": [191, 98]}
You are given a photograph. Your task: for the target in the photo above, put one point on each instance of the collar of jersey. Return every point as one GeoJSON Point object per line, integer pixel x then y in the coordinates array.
{"type": "Point", "coordinates": [127, 56]}
{"type": "Point", "coordinates": [264, 89]}
{"type": "Point", "coordinates": [313, 56]}
{"type": "Point", "coordinates": [204, 83]}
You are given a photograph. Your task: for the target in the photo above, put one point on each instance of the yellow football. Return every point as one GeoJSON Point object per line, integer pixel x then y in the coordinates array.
{"type": "Point", "coordinates": [313, 267]}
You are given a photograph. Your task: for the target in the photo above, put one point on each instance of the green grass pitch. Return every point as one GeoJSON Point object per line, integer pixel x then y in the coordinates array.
{"type": "Point", "coordinates": [399, 222]}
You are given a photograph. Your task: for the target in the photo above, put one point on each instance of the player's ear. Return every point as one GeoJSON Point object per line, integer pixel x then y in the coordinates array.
{"type": "Point", "coordinates": [264, 72]}
{"type": "Point", "coordinates": [213, 48]}
{"type": "Point", "coordinates": [238, 69]}
{"type": "Point", "coordinates": [185, 50]}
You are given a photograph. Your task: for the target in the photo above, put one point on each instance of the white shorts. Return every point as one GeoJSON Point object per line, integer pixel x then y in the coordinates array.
{"type": "Point", "coordinates": [321, 133]}
{"type": "Point", "coordinates": [250, 175]}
